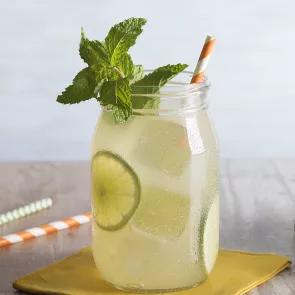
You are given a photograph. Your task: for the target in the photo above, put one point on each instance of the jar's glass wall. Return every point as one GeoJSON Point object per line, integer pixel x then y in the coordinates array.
{"type": "Point", "coordinates": [171, 240]}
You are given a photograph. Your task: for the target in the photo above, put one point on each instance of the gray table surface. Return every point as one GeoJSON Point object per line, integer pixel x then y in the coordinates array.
{"type": "Point", "coordinates": [257, 214]}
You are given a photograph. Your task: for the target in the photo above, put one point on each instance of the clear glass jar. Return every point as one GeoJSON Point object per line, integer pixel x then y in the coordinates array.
{"type": "Point", "coordinates": [155, 192]}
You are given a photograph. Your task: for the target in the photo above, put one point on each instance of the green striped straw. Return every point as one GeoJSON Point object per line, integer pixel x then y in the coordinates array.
{"type": "Point", "coordinates": [25, 210]}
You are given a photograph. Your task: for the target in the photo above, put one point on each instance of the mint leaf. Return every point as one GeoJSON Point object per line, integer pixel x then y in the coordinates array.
{"type": "Point", "coordinates": [160, 77]}
{"type": "Point", "coordinates": [125, 65]}
{"type": "Point", "coordinates": [115, 95]}
{"type": "Point", "coordinates": [82, 88]}
{"type": "Point", "coordinates": [93, 52]}
{"type": "Point", "coordinates": [152, 83]}
{"type": "Point", "coordinates": [108, 93]}
{"type": "Point", "coordinates": [124, 93]}
{"type": "Point", "coordinates": [102, 74]}
{"type": "Point", "coordinates": [121, 37]}
{"type": "Point", "coordinates": [152, 103]}
{"type": "Point", "coordinates": [98, 87]}
{"type": "Point", "coordinates": [121, 115]}
{"type": "Point", "coordinates": [137, 74]}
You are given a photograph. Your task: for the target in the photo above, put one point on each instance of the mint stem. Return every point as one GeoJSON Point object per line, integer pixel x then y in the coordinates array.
{"type": "Point", "coordinates": [116, 70]}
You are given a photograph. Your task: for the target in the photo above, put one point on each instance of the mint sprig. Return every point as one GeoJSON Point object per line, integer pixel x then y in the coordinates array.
{"type": "Point", "coordinates": [111, 76]}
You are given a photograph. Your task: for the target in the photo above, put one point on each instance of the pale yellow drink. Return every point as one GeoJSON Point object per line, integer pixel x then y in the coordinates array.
{"type": "Point", "coordinates": [164, 236]}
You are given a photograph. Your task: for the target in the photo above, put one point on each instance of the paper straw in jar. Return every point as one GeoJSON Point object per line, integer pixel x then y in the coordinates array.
{"type": "Point", "coordinates": [45, 229]}
{"type": "Point", "coordinates": [25, 210]}
{"type": "Point", "coordinates": [203, 59]}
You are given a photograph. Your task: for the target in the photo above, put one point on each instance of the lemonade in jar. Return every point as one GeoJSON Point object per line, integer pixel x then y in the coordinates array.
{"type": "Point", "coordinates": [155, 193]}
{"type": "Point", "coordinates": [154, 168]}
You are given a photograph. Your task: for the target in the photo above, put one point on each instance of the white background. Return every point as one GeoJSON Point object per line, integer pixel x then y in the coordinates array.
{"type": "Point", "coordinates": [251, 70]}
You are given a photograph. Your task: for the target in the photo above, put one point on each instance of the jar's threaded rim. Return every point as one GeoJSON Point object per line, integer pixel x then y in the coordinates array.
{"type": "Point", "coordinates": [179, 87]}
{"type": "Point", "coordinates": [176, 97]}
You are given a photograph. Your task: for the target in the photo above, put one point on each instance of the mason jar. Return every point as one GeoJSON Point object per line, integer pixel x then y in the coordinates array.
{"type": "Point", "coordinates": [155, 191]}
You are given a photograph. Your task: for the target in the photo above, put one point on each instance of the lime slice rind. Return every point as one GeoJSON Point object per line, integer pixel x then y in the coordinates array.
{"type": "Point", "coordinates": [116, 191]}
{"type": "Point", "coordinates": [209, 236]}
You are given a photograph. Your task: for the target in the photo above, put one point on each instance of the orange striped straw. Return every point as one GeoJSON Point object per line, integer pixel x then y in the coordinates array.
{"type": "Point", "coordinates": [45, 229]}
{"type": "Point", "coordinates": [203, 59]}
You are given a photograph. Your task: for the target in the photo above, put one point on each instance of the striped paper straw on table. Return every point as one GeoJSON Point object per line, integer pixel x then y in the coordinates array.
{"type": "Point", "coordinates": [25, 210]}
{"type": "Point", "coordinates": [45, 229]}
{"type": "Point", "coordinates": [203, 59]}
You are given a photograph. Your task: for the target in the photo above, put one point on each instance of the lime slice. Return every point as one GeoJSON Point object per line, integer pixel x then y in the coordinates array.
{"type": "Point", "coordinates": [162, 213]}
{"type": "Point", "coordinates": [209, 242]}
{"type": "Point", "coordinates": [115, 191]}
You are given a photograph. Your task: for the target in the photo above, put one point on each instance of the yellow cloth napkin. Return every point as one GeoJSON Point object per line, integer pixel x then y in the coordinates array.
{"type": "Point", "coordinates": [235, 273]}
